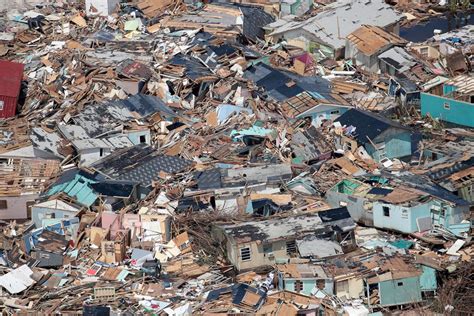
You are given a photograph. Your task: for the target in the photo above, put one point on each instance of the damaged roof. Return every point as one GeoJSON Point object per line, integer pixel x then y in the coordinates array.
{"type": "Point", "coordinates": [140, 163]}
{"type": "Point", "coordinates": [368, 125]}
{"type": "Point", "coordinates": [371, 39]}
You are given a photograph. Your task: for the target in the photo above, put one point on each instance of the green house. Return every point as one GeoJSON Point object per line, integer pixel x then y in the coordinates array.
{"type": "Point", "coordinates": [397, 287]}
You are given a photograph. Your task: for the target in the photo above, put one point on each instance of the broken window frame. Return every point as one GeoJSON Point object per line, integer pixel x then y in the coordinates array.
{"type": "Point", "coordinates": [291, 247]}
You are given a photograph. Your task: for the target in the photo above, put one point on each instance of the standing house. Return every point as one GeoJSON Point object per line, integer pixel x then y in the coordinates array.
{"type": "Point", "coordinates": [367, 42]}
{"type": "Point", "coordinates": [455, 105]}
{"type": "Point", "coordinates": [254, 244]}
{"type": "Point", "coordinates": [401, 205]}
{"type": "Point", "coordinates": [11, 75]}
{"type": "Point", "coordinates": [380, 137]}
{"type": "Point", "coordinates": [303, 278]}
{"type": "Point", "coordinates": [325, 33]}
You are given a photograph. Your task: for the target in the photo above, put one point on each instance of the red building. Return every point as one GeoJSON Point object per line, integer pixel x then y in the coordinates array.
{"type": "Point", "coordinates": [11, 75]}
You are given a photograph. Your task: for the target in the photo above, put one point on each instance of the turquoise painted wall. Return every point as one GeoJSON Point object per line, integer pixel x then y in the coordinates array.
{"type": "Point", "coordinates": [308, 285]}
{"type": "Point", "coordinates": [428, 279]}
{"type": "Point", "coordinates": [398, 292]}
{"type": "Point", "coordinates": [461, 113]}
{"type": "Point", "coordinates": [397, 145]}
{"type": "Point", "coordinates": [406, 221]}
{"type": "Point", "coordinates": [401, 218]}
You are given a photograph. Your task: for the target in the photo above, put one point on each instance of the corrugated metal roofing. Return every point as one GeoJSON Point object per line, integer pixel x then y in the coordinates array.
{"type": "Point", "coordinates": [78, 188]}
{"type": "Point", "coordinates": [11, 75]}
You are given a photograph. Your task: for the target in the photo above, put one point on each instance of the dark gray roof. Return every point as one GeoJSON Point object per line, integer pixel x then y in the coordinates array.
{"type": "Point", "coordinates": [114, 188]}
{"type": "Point", "coordinates": [194, 68]}
{"type": "Point", "coordinates": [254, 21]}
{"type": "Point", "coordinates": [145, 105]}
{"type": "Point", "coordinates": [140, 163]}
{"type": "Point", "coordinates": [368, 125]}
{"type": "Point", "coordinates": [282, 85]}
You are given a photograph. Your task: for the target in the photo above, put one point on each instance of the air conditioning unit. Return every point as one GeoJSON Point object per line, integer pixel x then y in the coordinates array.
{"type": "Point", "coordinates": [270, 255]}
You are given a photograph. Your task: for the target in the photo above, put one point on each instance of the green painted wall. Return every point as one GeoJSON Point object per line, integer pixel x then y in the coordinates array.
{"type": "Point", "coordinates": [428, 279]}
{"type": "Point", "coordinates": [398, 292]}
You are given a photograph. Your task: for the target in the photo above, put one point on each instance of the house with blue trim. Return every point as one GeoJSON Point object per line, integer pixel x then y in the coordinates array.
{"type": "Point", "coordinates": [455, 105]}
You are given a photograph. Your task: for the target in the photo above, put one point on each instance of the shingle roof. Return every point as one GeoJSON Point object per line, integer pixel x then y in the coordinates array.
{"type": "Point", "coordinates": [368, 125]}
{"type": "Point", "coordinates": [140, 163]}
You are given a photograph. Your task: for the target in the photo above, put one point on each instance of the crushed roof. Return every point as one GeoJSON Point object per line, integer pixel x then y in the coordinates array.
{"type": "Point", "coordinates": [371, 39]}
{"type": "Point", "coordinates": [343, 17]}
{"type": "Point", "coordinates": [140, 163]}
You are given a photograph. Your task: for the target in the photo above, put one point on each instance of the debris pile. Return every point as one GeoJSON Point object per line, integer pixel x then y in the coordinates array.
{"type": "Point", "coordinates": [181, 158]}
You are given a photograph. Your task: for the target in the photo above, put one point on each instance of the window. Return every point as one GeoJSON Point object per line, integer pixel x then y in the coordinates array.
{"type": "Point", "coordinates": [2, 104]}
{"type": "Point", "coordinates": [447, 106]}
{"type": "Point", "coordinates": [298, 286]}
{"type": "Point", "coordinates": [245, 254]}
{"type": "Point", "coordinates": [335, 112]}
{"type": "Point", "coordinates": [424, 51]}
{"type": "Point", "coordinates": [142, 139]}
{"type": "Point", "coordinates": [320, 284]}
{"type": "Point", "coordinates": [442, 212]}
{"type": "Point", "coordinates": [342, 286]}
{"type": "Point", "coordinates": [50, 215]}
{"type": "Point", "coordinates": [386, 211]}
{"type": "Point", "coordinates": [267, 248]}
{"type": "Point", "coordinates": [400, 284]}
{"type": "Point", "coordinates": [290, 247]}
{"type": "Point", "coordinates": [3, 204]}
{"type": "Point", "coordinates": [404, 213]}
{"type": "Point", "coordinates": [101, 152]}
